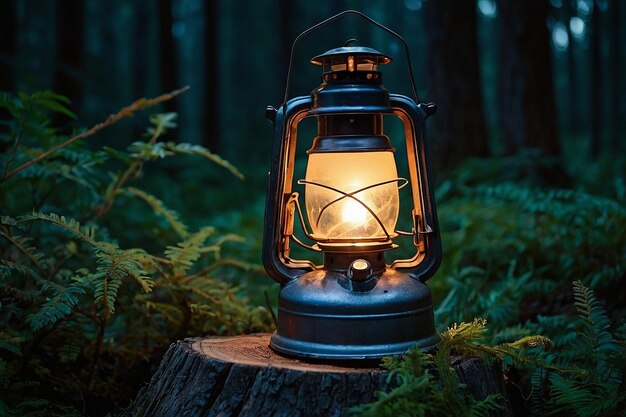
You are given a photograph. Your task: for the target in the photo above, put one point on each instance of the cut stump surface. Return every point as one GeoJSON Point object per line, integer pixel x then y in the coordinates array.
{"type": "Point", "coordinates": [242, 376]}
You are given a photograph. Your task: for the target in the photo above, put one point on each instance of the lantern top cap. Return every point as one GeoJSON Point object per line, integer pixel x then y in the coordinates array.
{"type": "Point", "coordinates": [351, 50]}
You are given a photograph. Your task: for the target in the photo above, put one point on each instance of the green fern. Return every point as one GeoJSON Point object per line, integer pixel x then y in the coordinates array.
{"type": "Point", "coordinates": [56, 307]}
{"type": "Point", "coordinates": [595, 389]}
{"type": "Point", "coordinates": [159, 208]}
{"type": "Point", "coordinates": [85, 233]}
{"type": "Point", "coordinates": [10, 344]}
{"type": "Point", "coordinates": [152, 151]}
{"type": "Point", "coordinates": [189, 149]}
{"type": "Point", "coordinates": [24, 245]}
{"type": "Point", "coordinates": [161, 123]}
{"type": "Point", "coordinates": [87, 302]}
{"type": "Point", "coordinates": [112, 270]}
{"type": "Point", "coordinates": [491, 403]}
{"type": "Point", "coordinates": [419, 391]}
{"type": "Point", "coordinates": [583, 399]}
{"type": "Point", "coordinates": [596, 323]}
{"type": "Point", "coordinates": [8, 267]}
{"type": "Point", "coordinates": [187, 252]}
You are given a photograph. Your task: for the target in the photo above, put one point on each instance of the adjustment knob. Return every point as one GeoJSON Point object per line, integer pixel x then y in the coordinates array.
{"type": "Point", "coordinates": [359, 270]}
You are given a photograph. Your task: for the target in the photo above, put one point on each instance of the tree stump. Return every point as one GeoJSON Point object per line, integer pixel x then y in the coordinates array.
{"type": "Point", "coordinates": [242, 376]}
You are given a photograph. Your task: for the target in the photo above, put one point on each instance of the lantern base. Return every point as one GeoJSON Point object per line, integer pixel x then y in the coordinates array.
{"type": "Point", "coordinates": [299, 348]}
{"type": "Point", "coordinates": [320, 316]}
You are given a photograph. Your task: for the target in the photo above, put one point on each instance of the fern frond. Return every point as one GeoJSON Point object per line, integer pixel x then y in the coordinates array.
{"type": "Point", "coordinates": [149, 151]}
{"type": "Point", "coordinates": [538, 391]}
{"type": "Point", "coordinates": [85, 233]}
{"type": "Point", "coordinates": [161, 123]}
{"type": "Point", "coordinates": [8, 221]}
{"type": "Point", "coordinates": [106, 285]}
{"type": "Point", "coordinates": [484, 408]}
{"type": "Point", "coordinates": [159, 208]}
{"type": "Point", "coordinates": [582, 399]}
{"type": "Point", "coordinates": [609, 274]}
{"type": "Point", "coordinates": [169, 312]}
{"type": "Point", "coordinates": [596, 331]}
{"type": "Point", "coordinates": [511, 333]}
{"type": "Point", "coordinates": [112, 270]}
{"type": "Point", "coordinates": [24, 245]}
{"type": "Point", "coordinates": [529, 342]}
{"type": "Point", "coordinates": [463, 336]}
{"type": "Point", "coordinates": [6, 267]}
{"type": "Point", "coordinates": [50, 101]}
{"type": "Point", "coordinates": [185, 253]}
{"type": "Point", "coordinates": [10, 344]}
{"type": "Point", "coordinates": [56, 307]}
{"type": "Point", "coordinates": [189, 149]}
{"type": "Point", "coordinates": [216, 247]}
{"type": "Point", "coordinates": [70, 350]}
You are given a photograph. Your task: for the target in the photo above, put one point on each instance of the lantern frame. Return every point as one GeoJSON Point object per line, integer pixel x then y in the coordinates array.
{"type": "Point", "coordinates": [382, 306]}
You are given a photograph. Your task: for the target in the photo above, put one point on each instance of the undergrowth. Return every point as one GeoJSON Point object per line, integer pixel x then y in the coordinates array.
{"type": "Point", "coordinates": [583, 377]}
{"type": "Point", "coordinates": [99, 274]}
{"type": "Point", "coordinates": [83, 317]}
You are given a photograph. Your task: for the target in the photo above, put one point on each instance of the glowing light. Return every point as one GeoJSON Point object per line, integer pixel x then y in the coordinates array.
{"type": "Point", "coordinates": [354, 212]}
{"type": "Point", "coordinates": [332, 214]}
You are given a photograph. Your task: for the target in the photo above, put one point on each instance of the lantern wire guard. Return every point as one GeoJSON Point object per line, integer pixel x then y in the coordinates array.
{"type": "Point", "coordinates": [352, 195]}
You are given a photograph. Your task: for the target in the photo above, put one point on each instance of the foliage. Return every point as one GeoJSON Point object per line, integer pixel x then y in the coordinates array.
{"type": "Point", "coordinates": [84, 313]}
{"type": "Point", "coordinates": [512, 250]}
{"type": "Point", "coordinates": [599, 390]}
{"type": "Point", "coordinates": [588, 383]}
{"type": "Point", "coordinates": [107, 257]}
{"type": "Point", "coordinates": [427, 385]}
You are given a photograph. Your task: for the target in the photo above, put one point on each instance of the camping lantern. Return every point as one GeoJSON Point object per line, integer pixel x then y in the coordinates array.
{"type": "Point", "coordinates": [356, 305]}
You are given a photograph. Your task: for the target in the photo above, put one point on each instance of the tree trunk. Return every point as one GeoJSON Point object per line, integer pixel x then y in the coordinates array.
{"type": "Point", "coordinates": [528, 112]}
{"type": "Point", "coordinates": [8, 46]}
{"type": "Point", "coordinates": [167, 62]}
{"type": "Point", "coordinates": [453, 81]}
{"type": "Point", "coordinates": [36, 45]}
{"type": "Point", "coordinates": [189, 31]}
{"type": "Point", "coordinates": [596, 83]}
{"type": "Point", "coordinates": [574, 102]}
{"type": "Point", "coordinates": [616, 74]}
{"type": "Point", "coordinates": [69, 79]}
{"type": "Point", "coordinates": [241, 376]}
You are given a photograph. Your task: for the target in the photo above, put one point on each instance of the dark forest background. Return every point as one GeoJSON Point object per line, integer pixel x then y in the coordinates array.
{"type": "Point", "coordinates": [158, 241]}
{"type": "Point", "coordinates": [506, 75]}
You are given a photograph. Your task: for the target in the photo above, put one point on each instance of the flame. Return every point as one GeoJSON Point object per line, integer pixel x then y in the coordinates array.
{"type": "Point", "coordinates": [354, 212]}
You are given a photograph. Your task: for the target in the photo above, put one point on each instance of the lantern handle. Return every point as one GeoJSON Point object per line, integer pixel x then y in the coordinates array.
{"type": "Point", "coordinates": [370, 20]}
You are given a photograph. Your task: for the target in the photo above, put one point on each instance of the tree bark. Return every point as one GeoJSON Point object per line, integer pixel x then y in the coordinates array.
{"type": "Point", "coordinates": [8, 46]}
{"type": "Point", "coordinates": [595, 83]}
{"type": "Point", "coordinates": [615, 66]}
{"type": "Point", "coordinates": [574, 102]}
{"type": "Point", "coordinates": [241, 376]}
{"type": "Point", "coordinates": [36, 45]}
{"type": "Point", "coordinates": [528, 111]}
{"type": "Point", "coordinates": [68, 78]}
{"type": "Point", "coordinates": [454, 82]}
